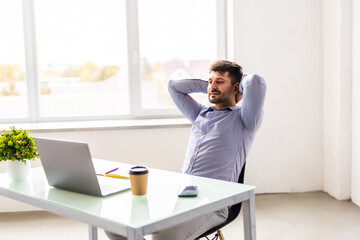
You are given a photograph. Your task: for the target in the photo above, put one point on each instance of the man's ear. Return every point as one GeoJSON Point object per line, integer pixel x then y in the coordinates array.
{"type": "Point", "coordinates": [236, 88]}
{"type": "Point", "coordinates": [238, 97]}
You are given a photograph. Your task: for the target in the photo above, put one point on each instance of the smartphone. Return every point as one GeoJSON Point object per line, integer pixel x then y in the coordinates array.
{"type": "Point", "coordinates": [187, 191]}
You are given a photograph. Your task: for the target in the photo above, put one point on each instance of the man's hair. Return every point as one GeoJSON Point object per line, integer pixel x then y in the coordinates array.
{"type": "Point", "coordinates": [235, 72]}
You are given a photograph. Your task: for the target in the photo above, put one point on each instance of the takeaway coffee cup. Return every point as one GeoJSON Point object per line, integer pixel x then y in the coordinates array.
{"type": "Point", "coordinates": [138, 180]}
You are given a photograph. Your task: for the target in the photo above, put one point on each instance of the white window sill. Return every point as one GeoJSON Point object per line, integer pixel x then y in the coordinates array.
{"type": "Point", "coordinates": [99, 125]}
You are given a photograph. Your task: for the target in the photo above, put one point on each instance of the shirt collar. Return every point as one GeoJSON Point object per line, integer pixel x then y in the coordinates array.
{"type": "Point", "coordinates": [212, 109]}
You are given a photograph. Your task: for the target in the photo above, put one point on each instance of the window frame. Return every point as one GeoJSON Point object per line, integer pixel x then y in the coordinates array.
{"type": "Point", "coordinates": [134, 68]}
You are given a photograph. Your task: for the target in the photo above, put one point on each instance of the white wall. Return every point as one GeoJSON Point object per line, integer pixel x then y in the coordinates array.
{"type": "Point", "coordinates": [162, 148]}
{"type": "Point", "coordinates": [355, 165]}
{"type": "Point", "coordinates": [337, 97]}
{"type": "Point", "coordinates": [282, 41]}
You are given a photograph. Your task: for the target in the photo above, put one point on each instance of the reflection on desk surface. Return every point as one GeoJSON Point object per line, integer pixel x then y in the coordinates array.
{"type": "Point", "coordinates": [78, 201]}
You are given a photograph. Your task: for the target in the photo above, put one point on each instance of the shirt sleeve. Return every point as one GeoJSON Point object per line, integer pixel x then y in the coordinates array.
{"type": "Point", "coordinates": [253, 88]}
{"type": "Point", "coordinates": [179, 91]}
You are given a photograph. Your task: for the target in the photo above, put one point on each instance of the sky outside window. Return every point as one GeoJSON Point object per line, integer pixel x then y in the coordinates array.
{"type": "Point", "coordinates": [178, 39]}
{"type": "Point", "coordinates": [82, 57]}
{"type": "Point", "coordinates": [13, 87]}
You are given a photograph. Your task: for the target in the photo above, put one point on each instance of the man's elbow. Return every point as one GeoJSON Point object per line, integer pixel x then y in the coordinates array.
{"type": "Point", "coordinates": [170, 84]}
{"type": "Point", "coordinates": [259, 82]}
{"type": "Point", "coordinates": [258, 79]}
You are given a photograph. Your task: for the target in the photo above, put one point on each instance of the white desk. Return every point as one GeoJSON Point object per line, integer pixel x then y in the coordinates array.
{"type": "Point", "coordinates": [131, 216]}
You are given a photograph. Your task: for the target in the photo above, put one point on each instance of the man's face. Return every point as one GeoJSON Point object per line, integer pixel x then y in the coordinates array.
{"type": "Point", "coordinates": [220, 90]}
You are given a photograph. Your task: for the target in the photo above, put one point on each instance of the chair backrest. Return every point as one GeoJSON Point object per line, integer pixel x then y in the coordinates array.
{"type": "Point", "coordinates": [234, 210]}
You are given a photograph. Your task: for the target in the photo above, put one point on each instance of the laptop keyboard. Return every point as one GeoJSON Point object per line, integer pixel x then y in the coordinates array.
{"type": "Point", "coordinates": [109, 185]}
{"type": "Point", "coordinates": [108, 188]}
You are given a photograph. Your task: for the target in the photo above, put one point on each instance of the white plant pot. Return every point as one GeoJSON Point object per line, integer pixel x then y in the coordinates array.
{"type": "Point", "coordinates": [18, 170]}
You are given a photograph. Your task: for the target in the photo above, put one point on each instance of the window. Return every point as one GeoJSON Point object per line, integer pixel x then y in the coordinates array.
{"type": "Point", "coordinates": [102, 59]}
{"type": "Point", "coordinates": [13, 82]}
{"type": "Point", "coordinates": [82, 57]}
{"type": "Point", "coordinates": [176, 42]}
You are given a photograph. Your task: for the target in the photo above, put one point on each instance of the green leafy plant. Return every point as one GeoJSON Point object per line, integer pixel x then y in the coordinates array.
{"type": "Point", "coordinates": [17, 145]}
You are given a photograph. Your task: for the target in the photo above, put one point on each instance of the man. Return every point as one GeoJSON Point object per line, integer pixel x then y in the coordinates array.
{"type": "Point", "coordinates": [221, 135]}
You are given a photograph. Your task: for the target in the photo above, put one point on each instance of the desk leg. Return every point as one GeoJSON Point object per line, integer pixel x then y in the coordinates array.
{"type": "Point", "coordinates": [134, 234]}
{"type": "Point", "coordinates": [93, 234]}
{"type": "Point", "coordinates": [249, 217]}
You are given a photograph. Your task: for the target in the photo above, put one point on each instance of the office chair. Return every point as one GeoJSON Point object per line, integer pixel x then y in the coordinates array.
{"type": "Point", "coordinates": [234, 211]}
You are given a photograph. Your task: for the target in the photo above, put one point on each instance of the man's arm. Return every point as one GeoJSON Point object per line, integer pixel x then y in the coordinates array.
{"type": "Point", "coordinates": [253, 88]}
{"type": "Point", "coordinates": [179, 91]}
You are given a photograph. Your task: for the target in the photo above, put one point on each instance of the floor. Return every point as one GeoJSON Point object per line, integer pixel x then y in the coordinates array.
{"type": "Point", "coordinates": [305, 216]}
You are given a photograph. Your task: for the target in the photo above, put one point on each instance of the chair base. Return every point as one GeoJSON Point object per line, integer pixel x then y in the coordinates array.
{"type": "Point", "coordinates": [221, 236]}
{"type": "Point", "coordinates": [217, 235]}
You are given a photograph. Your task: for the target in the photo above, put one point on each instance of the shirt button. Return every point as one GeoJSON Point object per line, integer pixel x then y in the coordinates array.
{"type": "Point", "coordinates": [190, 165]}
{"type": "Point", "coordinates": [196, 149]}
{"type": "Point", "coordinates": [203, 133]}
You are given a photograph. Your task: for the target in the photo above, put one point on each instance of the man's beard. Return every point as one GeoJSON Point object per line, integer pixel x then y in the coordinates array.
{"type": "Point", "coordinates": [222, 98]}
{"type": "Point", "coordinates": [217, 99]}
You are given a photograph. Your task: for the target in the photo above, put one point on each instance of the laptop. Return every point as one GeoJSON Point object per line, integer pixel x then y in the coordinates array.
{"type": "Point", "coordinates": [68, 165]}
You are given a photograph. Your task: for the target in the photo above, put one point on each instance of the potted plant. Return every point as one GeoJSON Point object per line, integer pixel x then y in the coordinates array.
{"type": "Point", "coordinates": [18, 148]}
